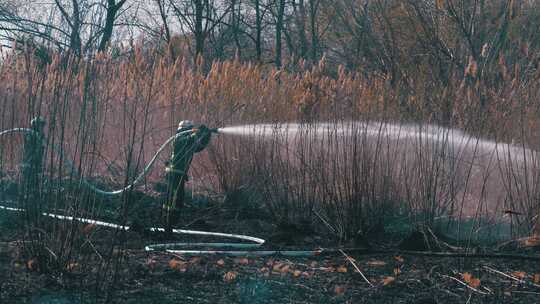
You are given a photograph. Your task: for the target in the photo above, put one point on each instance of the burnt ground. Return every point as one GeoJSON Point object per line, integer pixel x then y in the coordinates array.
{"type": "Point", "coordinates": [108, 267]}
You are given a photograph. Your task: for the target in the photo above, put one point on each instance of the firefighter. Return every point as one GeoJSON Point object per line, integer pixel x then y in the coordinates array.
{"type": "Point", "coordinates": [184, 147]}
{"type": "Point", "coordinates": [32, 166]}
{"type": "Point", "coordinates": [33, 154]}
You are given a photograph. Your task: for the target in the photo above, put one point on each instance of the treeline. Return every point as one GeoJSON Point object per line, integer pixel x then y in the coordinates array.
{"type": "Point", "coordinates": [396, 38]}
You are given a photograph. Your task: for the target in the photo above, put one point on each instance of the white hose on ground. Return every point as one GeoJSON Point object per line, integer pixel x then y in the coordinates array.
{"type": "Point", "coordinates": [168, 247]}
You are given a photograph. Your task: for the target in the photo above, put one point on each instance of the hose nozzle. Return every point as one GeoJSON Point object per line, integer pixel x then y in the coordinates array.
{"type": "Point", "coordinates": [209, 130]}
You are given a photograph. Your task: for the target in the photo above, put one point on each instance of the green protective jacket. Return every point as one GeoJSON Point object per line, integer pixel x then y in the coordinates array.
{"type": "Point", "coordinates": [185, 146]}
{"type": "Point", "coordinates": [33, 153]}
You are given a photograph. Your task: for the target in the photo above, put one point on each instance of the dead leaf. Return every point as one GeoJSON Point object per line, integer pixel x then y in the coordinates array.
{"type": "Point", "coordinates": [297, 273]}
{"type": "Point", "coordinates": [399, 259]}
{"type": "Point", "coordinates": [469, 279]}
{"type": "Point", "coordinates": [178, 265]}
{"type": "Point", "coordinates": [285, 269]}
{"type": "Point", "coordinates": [151, 263]}
{"type": "Point", "coordinates": [475, 283]}
{"type": "Point", "coordinates": [342, 269]}
{"type": "Point", "coordinates": [220, 262]}
{"type": "Point", "coordinates": [472, 68]}
{"type": "Point", "coordinates": [72, 266]}
{"type": "Point", "coordinates": [328, 269]}
{"type": "Point", "coordinates": [230, 276]}
{"type": "Point", "coordinates": [537, 278]}
{"type": "Point", "coordinates": [174, 263]}
{"type": "Point", "coordinates": [519, 274]}
{"type": "Point", "coordinates": [277, 267]}
{"type": "Point", "coordinates": [32, 265]}
{"type": "Point", "coordinates": [388, 280]}
{"type": "Point", "coordinates": [88, 228]}
{"type": "Point", "coordinates": [532, 241]}
{"type": "Point", "coordinates": [485, 49]}
{"type": "Point", "coordinates": [242, 261]}
{"type": "Point", "coordinates": [376, 263]}
{"type": "Point", "coordinates": [339, 289]}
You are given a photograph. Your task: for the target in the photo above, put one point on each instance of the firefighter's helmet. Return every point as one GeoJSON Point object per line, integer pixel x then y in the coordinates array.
{"type": "Point", "coordinates": [37, 123]}
{"type": "Point", "coordinates": [185, 124]}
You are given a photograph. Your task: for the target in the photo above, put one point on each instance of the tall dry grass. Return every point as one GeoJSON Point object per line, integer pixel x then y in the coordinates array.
{"type": "Point", "coordinates": [111, 115]}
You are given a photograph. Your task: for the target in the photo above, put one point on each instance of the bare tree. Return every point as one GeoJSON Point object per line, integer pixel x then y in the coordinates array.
{"type": "Point", "coordinates": [256, 21]}
{"type": "Point", "coordinates": [73, 21]}
{"type": "Point", "coordinates": [200, 18]}
{"type": "Point", "coordinates": [78, 26]}
{"type": "Point", "coordinates": [306, 14]}
{"type": "Point", "coordinates": [300, 18]}
{"type": "Point", "coordinates": [258, 29]}
{"type": "Point", "coordinates": [163, 14]}
{"type": "Point", "coordinates": [112, 11]}
{"type": "Point", "coordinates": [280, 13]}
{"type": "Point", "coordinates": [314, 6]}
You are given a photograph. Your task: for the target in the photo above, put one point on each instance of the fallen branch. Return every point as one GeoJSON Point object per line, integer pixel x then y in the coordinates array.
{"type": "Point", "coordinates": [526, 292]}
{"type": "Point", "coordinates": [356, 267]}
{"type": "Point", "coordinates": [511, 277]}
{"type": "Point", "coordinates": [364, 251]}
{"type": "Point", "coordinates": [465, 284]}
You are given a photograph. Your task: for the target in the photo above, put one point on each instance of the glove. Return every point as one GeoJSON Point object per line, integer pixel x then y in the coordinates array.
{"type": "Point", "coordinates": [203, 135]}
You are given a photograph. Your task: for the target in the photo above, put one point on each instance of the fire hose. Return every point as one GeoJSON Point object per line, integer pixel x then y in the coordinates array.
{"type": "Point", "coordinates": [85, 182]}
{"type": "Point", "coordinates": [236, 249]}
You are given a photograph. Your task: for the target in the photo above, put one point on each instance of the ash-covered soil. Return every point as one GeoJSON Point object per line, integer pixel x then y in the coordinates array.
{"type": "Point", "coordinates": [105, 266]}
